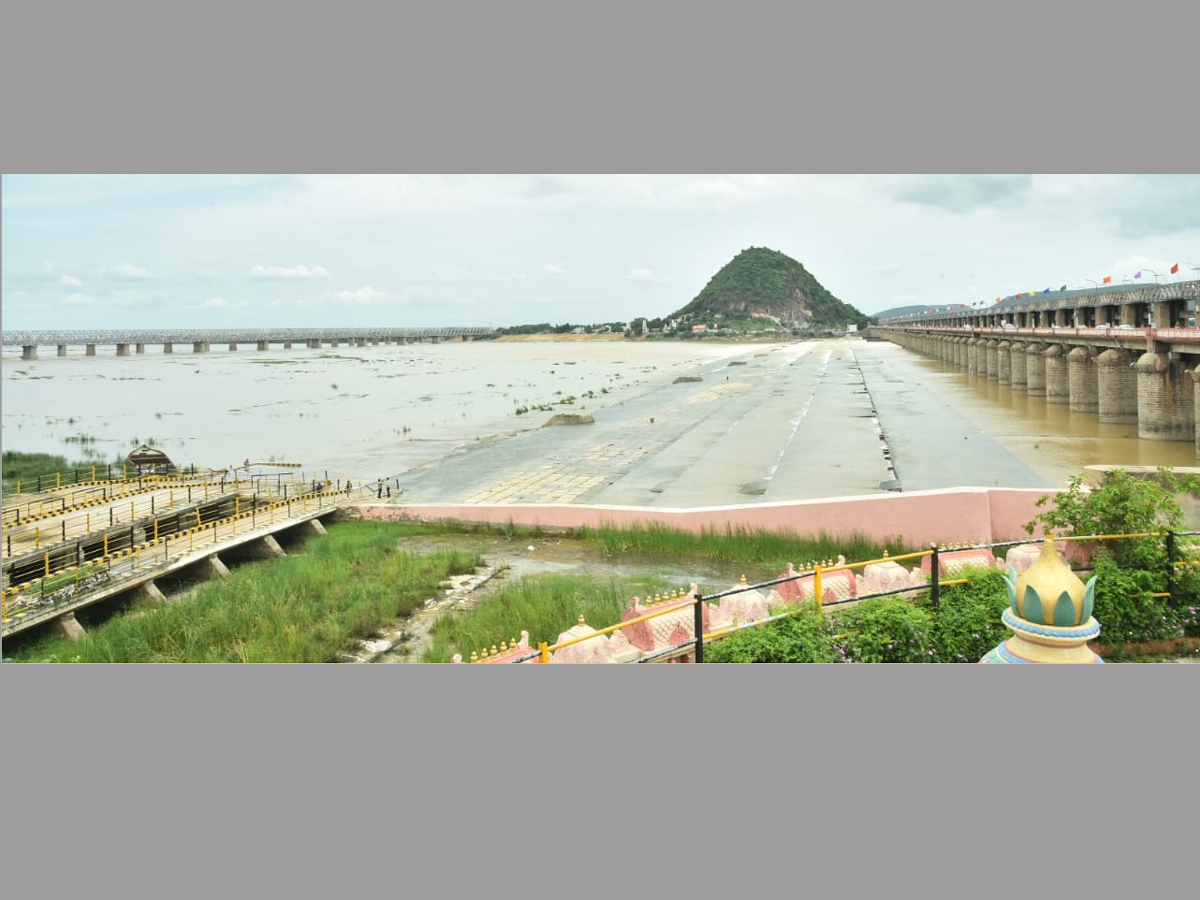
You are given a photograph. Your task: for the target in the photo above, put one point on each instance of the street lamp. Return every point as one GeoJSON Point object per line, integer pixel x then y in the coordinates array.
{"type": "Point", "coordinates": [1097, 285]}
{"type": "Point", "coordinates": [1151, 271]}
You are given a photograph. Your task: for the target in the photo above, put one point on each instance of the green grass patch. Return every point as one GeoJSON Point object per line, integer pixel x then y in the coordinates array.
{"type": "Point", "coordinates": [543, 605]}
{"type": "Point", "coordinates": [309, 607]}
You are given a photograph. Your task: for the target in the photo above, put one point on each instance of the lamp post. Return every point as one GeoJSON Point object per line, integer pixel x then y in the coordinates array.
{"type": "Point", "coordinates": [1151, 271]}
{"type": "Point", "coordinates": [1093, 282]}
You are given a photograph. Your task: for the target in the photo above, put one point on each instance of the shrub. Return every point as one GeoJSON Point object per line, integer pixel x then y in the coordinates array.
{"type": "Point", "coordinates": [885, 629]}
{"type": "Point", "coordinates": [967, 624]}
{"type": "Point", "coordinates": [1126, 608]}
{"type": "Point", "coordinates": [801, 637]}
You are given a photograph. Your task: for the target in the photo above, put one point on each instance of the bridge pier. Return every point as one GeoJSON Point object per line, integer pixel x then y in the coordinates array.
{"type": "Point", "coordinates": [62, 349]}
{"type": "Point", "coordinates": [1166, 400]}
{"type": "Point", "coordinates": [1083, 382]}
{"type": "Point", "coordinates": [216, 567]}
{"type": "Point", "coordinates": [89, 350]}
{"type": "Point", "coordinates": [287, 345]}
{"type": "Point", "coordinates": [122, 349]}
{"type": "Point", "coordinates": [200, 347]}
{"type": "Point", "coordinates": [29, 351]}
{"type": "Point", "coordinates": [69, 626]}
{"type": "Point", "coordinates": [314, 343]}
{"type": "Point", "coordinates": [1035, 370]}
{"type": "Point", "coordinates": [232, 345]}
{"type": "Point", "coordinates": [151, 592]}
{"type": "Point", "coordinates": [1058, 383]}
{"type": "Point", "coordinates": [139, 348]}
{"type": "Point", "coordinates": [993, 362]}
{"type": "Point", "coordinates": [168, 347]}
{"type": "Point", "coordinates": [973, 357]}
{"type": "Point", "coordinates": [333, 342]}
{"type": "Point", "coordinates": [1004, 362]}
{"type": "Point", "coordinates": [1117, 388]}
{"type": "Point", "coordinates": [1019, 366]}
{"type": "Point", "coordinates": [262, 345]}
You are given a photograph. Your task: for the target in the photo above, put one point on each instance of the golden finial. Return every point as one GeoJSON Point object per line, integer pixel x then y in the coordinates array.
{"type": "Point", "coordinates": [513, 642]}
{"type": "Point", "coordinates": [483, 653]}
{"type": "Point", "coordinates": [885, 553]}
{"type": "Point", "coordinates": [657, 597]}
{"type": "Point", "coordinates": [581, 622]}
{"type": "Point", "coordinates": [503, 647]}
{"type": "Point", "coordinates": [495, 652]}
{"type": "Point", "coordinates": [743, 578]}
{"type": "Point", "coordinates": [474, 657]}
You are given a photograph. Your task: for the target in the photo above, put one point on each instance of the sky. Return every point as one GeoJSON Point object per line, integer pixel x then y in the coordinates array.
{"type": "Point", "coordinates": [261, 251]}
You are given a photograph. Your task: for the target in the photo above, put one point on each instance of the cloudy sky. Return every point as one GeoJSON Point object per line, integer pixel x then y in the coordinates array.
{"type": "Point", "coordinates": [148, 251]}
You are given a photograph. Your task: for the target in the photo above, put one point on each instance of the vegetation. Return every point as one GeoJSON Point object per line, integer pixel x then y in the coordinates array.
{"type": "Point", "coordinates": [801, 637]}
{"type": "Point", "coordinates": [311, 607]}
{"type": "Point", "coordinates": [1131, 572]}
{"type": "Point", "coordinates": [770, 283]}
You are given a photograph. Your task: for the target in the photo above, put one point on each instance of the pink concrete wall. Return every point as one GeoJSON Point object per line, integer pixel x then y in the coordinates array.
{"type": "Point", "coordinates": [984, 515]}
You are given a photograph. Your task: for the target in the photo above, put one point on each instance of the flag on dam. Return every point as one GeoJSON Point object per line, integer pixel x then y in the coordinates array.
{"type": "Point", "coordinates": [1137, 274]}
{"type": "Point", "coordinates": [1108, 279]}
{"type": "Point", "coordinates": [1175, 269]}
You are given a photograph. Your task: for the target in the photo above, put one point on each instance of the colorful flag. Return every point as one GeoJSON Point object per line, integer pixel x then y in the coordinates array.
{"type": "Point", "coordinates": [1175, 269]}
{"type": "Point", "coordinates": [1046, 291]}
{"type": "Point", "coordinates": [1138, 274]}
{"type": "Point", "coordinates": [1063, 288]}
{"type": "Point", "coordinates": [1108, 279]}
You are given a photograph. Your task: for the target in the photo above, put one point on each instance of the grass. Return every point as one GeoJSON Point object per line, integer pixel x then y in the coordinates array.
{"type": "Point", "coordinates": [543, 605]}
{"type": "Point", "coordinates": [311, 607]}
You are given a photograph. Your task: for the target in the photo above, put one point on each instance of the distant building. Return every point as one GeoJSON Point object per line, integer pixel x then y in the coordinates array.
{"type": "Point", "coordinates": [699, 329]}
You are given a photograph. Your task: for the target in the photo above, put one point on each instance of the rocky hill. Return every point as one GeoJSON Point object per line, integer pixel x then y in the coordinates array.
{"type": "Point", "coordinates": [760, 283]}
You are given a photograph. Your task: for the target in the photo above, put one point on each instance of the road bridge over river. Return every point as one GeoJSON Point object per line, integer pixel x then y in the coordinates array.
{"type": "Point", "coordinates": [1127, 354]}
{"type": "Point", "coordinates": [202, 339]}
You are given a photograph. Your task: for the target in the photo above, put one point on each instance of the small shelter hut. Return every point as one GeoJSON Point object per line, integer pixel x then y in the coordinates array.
{"type": "Point", "coordinates": [148, 461]}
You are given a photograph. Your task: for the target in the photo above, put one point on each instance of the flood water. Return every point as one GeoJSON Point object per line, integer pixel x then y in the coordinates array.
{"type": "Point", "coordinates": [1049, 437]}
{"type": "Point", "coordinates": [362, 412]}
{"type": "Point", "coordinates": [379, 411]}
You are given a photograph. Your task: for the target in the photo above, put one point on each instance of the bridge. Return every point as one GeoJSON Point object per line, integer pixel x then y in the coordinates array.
{"type": "Point", "coordinates": [67, 549]}
{"type": "Point", "coordinates": [202, 339]}
{"type": "Point", "coordinates": [1127, 354]}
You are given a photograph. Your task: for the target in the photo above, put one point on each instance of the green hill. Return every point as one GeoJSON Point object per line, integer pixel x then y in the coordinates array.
{"type": "Point", "coordinates": [761, 283]}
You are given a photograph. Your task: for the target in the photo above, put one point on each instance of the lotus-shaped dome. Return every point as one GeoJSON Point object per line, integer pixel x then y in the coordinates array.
{"type": "Point", "coordinates": [1049, 593]}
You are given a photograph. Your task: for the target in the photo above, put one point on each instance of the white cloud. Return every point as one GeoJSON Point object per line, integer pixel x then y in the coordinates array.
{"type": "Point", "coordinates": [127, 271]}
{"type": "Point", "coordinates": [221, 303]}
{"type": "Point", "coordinates": [552, 269]}
{"type": "Point", "coordinates": [78, 299]}
{"type": "Point", "coordinates": [70, 281]}
{"type": "Point", "coordinates": [645, 276]}
{"type": "Point", "coordinates": [367, 295]}
{"type": "Point", "coordinates": [285, 273]}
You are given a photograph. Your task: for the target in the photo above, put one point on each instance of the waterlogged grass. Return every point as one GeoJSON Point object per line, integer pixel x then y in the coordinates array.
{"type": "Point", "coordinates": [773, 549]}
{"type": "Point", "coordinates": [543, 605]}
{"type": "Point", "coordinates": [311, 607]}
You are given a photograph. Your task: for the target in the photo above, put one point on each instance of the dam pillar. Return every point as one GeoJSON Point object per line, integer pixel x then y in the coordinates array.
{"type": "Point", "coordinates": [62, 349]}
{"type": "Point", "coordinates": [1058, 382]}
{"type": "Point", "coordinates": [1165, 400]}
{"type": "Point", "coordinates": [232, 345]}
{"type": "Point", "coordinates": [1035, 370]}
{"type": "Point", "coordinates": [287, 345]}
{"type": "Point", "coordinates": [1019, 365]}
{"type": "Point", "coordinates": [1004, 363]}
{"type": "Point", "coordinates": [168, 347]}
{"type": "Point", "coordinates": [973, 356]}
{"type": "Point", "coordinates": [200, 346]}
{"type": "Point", "coordinates": [1117, 388]}
{"type": "Point", "coordinates": [122, 349]}
{"type": "Point", "coordinates": [29, 351]}
{"type": "Point", "coordinates": [1083, 381]}
{"type": "Point", "coordinates": [139, 348]}
{"type": "Point", "coordinates": [993, 361]}
{"type": "Point", "coordinates": [89, 350]}
{"type": "Point", "coordinates": [262, 345]}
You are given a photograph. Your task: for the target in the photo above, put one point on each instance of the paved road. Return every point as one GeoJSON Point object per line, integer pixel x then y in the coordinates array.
{"type": "Point", "coordinates": [800, 421]}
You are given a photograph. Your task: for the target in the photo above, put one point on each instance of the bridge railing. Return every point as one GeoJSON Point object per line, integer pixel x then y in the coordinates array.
{"type": "Point", "coordinates": [126, 559]}
{"type": "Point", "coordinates": [1176, 562]}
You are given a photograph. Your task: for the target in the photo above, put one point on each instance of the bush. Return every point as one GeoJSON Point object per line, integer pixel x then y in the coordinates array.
{"type": "Point", "coordinates": [1126, 608]}
{"type": "Point", "coordinates": [968, 624]}
{"type": "Point", "coordinates": [884, 629]}
{"type": "Point", "coordinates": [802, 637]}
